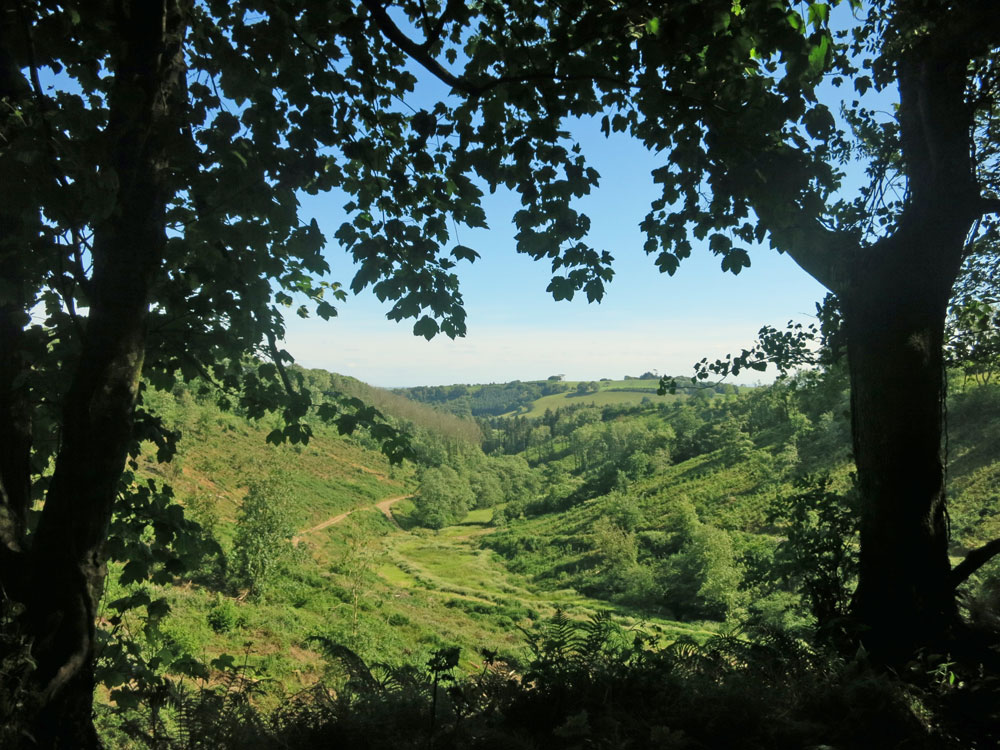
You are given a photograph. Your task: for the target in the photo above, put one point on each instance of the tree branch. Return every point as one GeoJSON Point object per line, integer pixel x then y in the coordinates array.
{"type": "Point", "coordinates": [973, 562]}
{"type": "Point", "coordinates": [420, 54]}
{"type": "Point", "coordinates": [15, 428]}
{"type": "Point", "coordinates": [417, 51]}
{"type": "Point", "coordinates": [824, 254]}
{"type": "Point", "coordinates": [272, 347]}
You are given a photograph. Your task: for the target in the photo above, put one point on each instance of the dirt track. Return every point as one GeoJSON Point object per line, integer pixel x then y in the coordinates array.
{"type": "Point", "coordinates": [385, 506]}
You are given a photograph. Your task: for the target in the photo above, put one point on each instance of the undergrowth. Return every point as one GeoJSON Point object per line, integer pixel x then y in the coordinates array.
{"type": "Point", "coordinates": [587, 684]}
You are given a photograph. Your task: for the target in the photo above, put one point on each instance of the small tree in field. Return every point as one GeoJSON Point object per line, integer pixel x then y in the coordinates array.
{"type": "Point", "coordinates": [820, 548]}
{"type": "Point", "coordinates": [357, 564]}
{"type": "Point", "coordinates": [486, 488]}
{"type": "Point", "coordinates": [263, 535]}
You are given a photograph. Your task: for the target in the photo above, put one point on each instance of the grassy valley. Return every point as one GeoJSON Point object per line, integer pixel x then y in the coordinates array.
{"type": "Point", "coordinates": [685, 518]}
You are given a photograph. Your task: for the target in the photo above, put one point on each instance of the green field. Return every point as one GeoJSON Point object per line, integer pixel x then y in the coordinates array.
{"type": "Point", "coordinates": [601, 398]}
{"type": "Point", "coordinates": [613, 392]}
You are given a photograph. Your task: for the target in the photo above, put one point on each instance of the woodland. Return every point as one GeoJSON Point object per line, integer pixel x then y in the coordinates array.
{"type": "Point", "coordinates": [152, 160]}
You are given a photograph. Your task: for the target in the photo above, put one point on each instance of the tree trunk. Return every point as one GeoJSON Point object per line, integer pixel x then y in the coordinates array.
{"type": "Point", "coordinates": [894, 322]}
{"type": "Point", "coordinates": [894, 303]}
{"type": "Point", "coordinates": [65, 561]}
{"type": "Point", "coordinates": [16, 195]}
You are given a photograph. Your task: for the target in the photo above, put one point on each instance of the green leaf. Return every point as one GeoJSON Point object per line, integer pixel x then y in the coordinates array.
{"type": "Point", "coordinates": [719, 244]}
{"type": "Point", "coordinates": [464, 253]}
{"type": "Point", "coordinates": [819, 122]}
{"type": "Point", "coordinates": [190, 666]}
{"type": "Point", "coordinates": [325, 310]}
{"type": "Point", "coordinates": [134, 572]}
{"type": "Point", "coordinates": [158, 608]}
{"type": "Point", "coordinates": [736, 260]}
{"type": "Point", "coordinates": [426, 327]}
{"type": "Point", "coordinates": [223, 662]}
{"type": "Point", "coordinates": [818, 55]}
{"type": "Point", "coordinates": [819, 14]}
{"type": "Point", "coordinates": [668, 263]}
{"type": "Point", "coordinates": [561, 288]}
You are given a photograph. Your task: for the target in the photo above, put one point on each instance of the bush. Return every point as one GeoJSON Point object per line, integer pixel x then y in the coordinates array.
{"type": "Point", "coordinates": [263, 534]}
{"type": "Point", "coordinates": [703, 579]}
{"type": "Point", "coordinates": [224, 616]}
{"type": "Point", "coordinates": [820, 552]}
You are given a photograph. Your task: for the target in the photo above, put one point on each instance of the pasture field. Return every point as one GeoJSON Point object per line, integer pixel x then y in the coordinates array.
{"type": "Point", "coordinates": [614, 392]}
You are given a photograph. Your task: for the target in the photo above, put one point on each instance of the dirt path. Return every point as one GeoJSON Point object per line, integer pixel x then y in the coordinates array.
{"type": "Point", "coordinates": [320, 526]}
{"type": "Point", "coordinates": [383, 505]}
{"type": "Point", "coordinates": [386, 505]}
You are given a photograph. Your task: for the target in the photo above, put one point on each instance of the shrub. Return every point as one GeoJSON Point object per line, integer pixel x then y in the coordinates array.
{"type": "Point", "coordinates": [263, 533]}
{"type": "Point", "coordinates": [224, 616]}
{"type": "Point", "coordinates": [820, 552]}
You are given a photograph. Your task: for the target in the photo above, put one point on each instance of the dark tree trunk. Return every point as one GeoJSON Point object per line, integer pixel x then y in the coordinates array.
{"type": "Point", "coordinates": [904, 598]}
{"type": "Point", "coordinates": [894, 303]}
{"type": "Point", "coordinates": [15, 234]}
{"type": "Point", "coordinates": [65, 562]}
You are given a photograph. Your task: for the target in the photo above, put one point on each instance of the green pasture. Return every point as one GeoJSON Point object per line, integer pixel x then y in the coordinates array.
{"type": "Point", "coordinates": [615, 393]}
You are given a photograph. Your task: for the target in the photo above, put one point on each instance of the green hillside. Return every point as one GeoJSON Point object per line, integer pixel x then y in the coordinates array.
{"type": "Point", "coordinates": [608, 393]}
{"type": "Point", "coordinates": [674, 515]}
{"type": "Point", "coordinates": [531, 398]}
{"type": "Point", "coordinates": [332, 478]}
{"type": "Point", "coordinates": [352, 575]}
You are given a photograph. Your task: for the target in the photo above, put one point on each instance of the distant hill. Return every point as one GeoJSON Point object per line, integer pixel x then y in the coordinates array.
{"type": "Point", "coordinates": [399, 405]}
{"type": "Point", "coordinates": [532, 397]}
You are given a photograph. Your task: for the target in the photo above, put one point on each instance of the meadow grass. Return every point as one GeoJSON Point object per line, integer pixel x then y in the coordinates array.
{"type": "Point", "coordinates": [603, 397]}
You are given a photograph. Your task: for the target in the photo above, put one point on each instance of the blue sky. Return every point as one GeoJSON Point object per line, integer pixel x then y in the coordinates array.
{"type": "Point", "coordinates": [647, 321]}
{"type": "Point", "coordinates": [517, 331]}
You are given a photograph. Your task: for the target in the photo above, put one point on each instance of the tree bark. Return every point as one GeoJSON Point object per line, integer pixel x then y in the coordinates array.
{"type": "Point", "coordinates": [894, 330]}
{"type": "Point", "coordinates": [894, 311]}
{"type": "Point", "coordinates": [15, 413]}
{"type": "Point", "coordinates": [66, 562]}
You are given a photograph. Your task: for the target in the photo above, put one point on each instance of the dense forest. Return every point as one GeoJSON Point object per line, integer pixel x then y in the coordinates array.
{"type": "Point", "coordinates": [154, 247]}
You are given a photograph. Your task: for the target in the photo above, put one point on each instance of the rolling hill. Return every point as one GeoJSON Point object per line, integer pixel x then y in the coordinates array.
{"type": "Point", "coordinates": [672, 514]}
